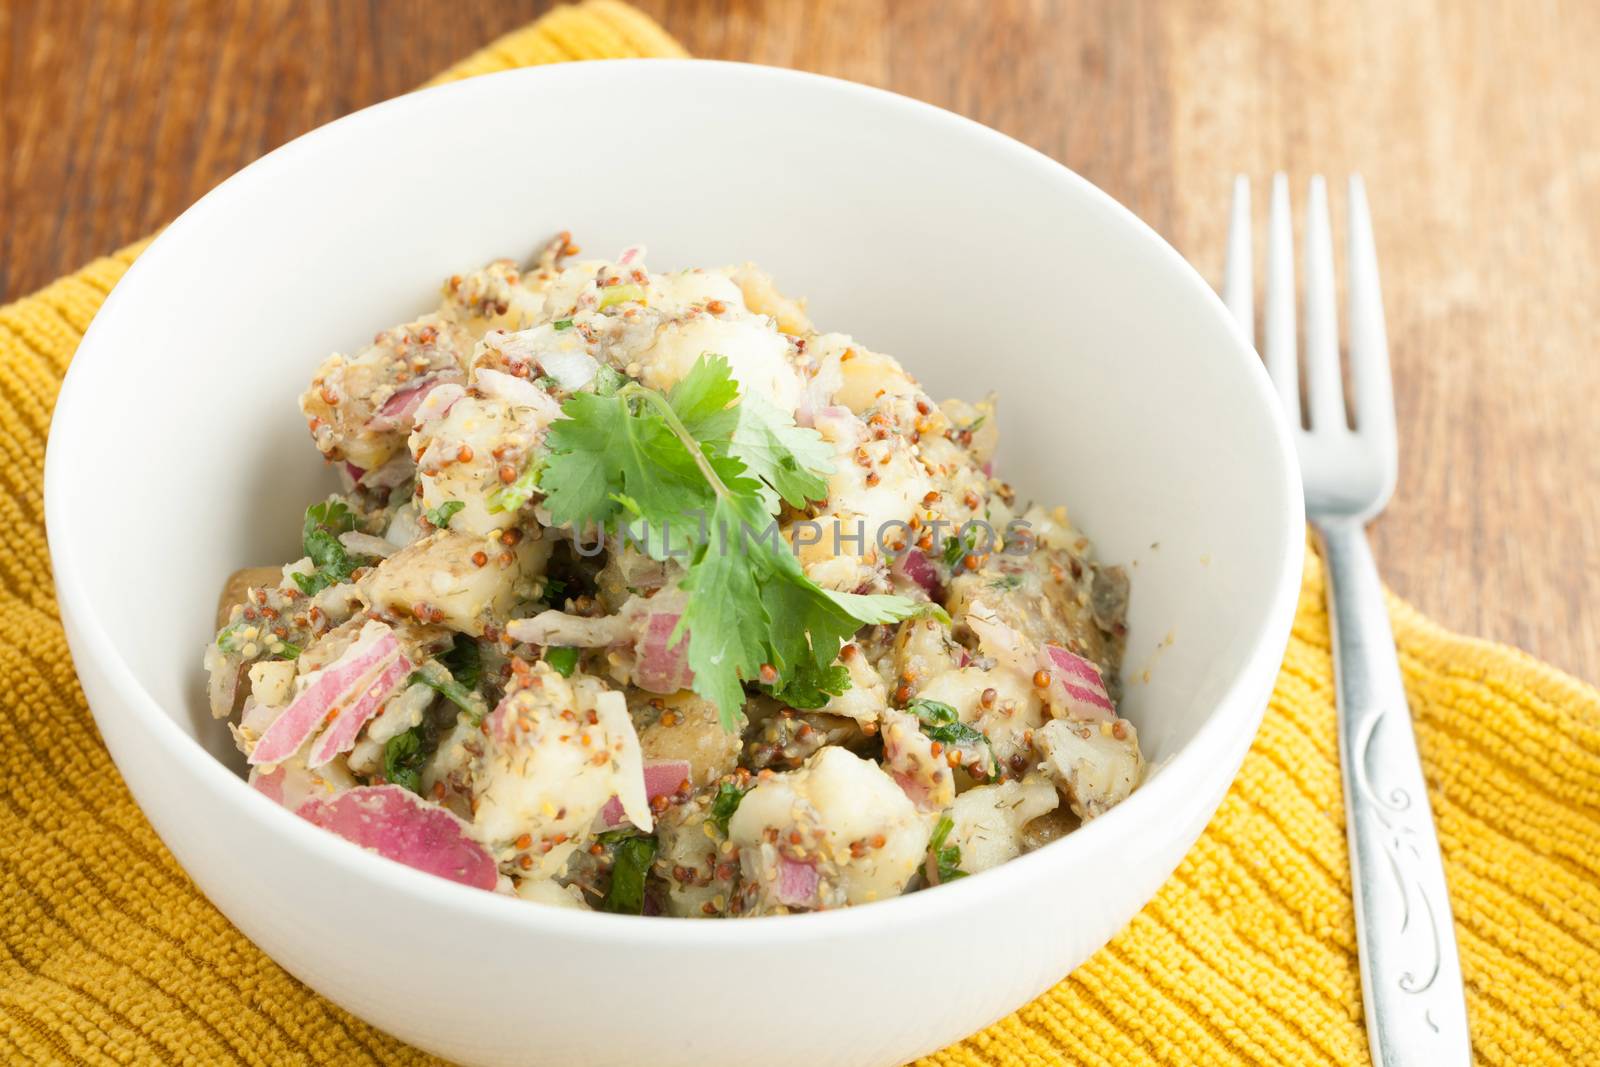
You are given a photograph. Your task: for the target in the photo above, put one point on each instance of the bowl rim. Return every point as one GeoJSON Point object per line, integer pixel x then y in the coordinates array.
{"type": "Point", "coordinates": [1235, 711]}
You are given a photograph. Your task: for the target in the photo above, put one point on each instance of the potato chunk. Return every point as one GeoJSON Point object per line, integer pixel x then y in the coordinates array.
{"type": "Point", "coordinates": [440, 576]}
{"type": "Point", "coordinates": [1094, 764]}
{"type": "Point", "coordinates": [987, 822]}
{"type": "Point", "coordinates": [837, 831]}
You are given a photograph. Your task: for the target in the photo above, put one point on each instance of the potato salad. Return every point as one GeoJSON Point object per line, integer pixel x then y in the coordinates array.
{"type": "Point", "coordinates": [641, 594]}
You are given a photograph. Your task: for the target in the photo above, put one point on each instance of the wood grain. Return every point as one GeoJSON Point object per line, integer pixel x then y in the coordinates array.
{"type": "Point", "coordinates": [1474, 124]}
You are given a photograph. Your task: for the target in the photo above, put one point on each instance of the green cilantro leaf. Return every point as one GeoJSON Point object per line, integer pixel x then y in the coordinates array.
{"type": "Point", "coordinates": [725, 804]}
{"type": "Point", "coordinates": [441, 515]}
{"type": "Point", "coordinates": [561, 324]}
{"type": "Point", "coordinates": [319, 537]}
{"type": "Point", "coordinates": [404, 755]}
{"type": "Point", "coordinates": [956, 547]}
{"type": "Point", "coordinates": [809, 688]}
{"type": "Point", "coordinates": [464, 661]}
{"type": "Point", "coordinates": [438, 678]}
{"type": "Point", "coordinates": [942, 723]}
{"type": "Point", "coordinates": [631, 859]}
{"type": "Point", "coordinates": [793, 461]}
{"type": "Point", "coordinates": [701, 478]}
{"type": "Point", "coordinates": [511, 497]}
{"type": "Point", "coordinates": [562, 660]}
{"type": "Point", "coordinates": [620, 294]}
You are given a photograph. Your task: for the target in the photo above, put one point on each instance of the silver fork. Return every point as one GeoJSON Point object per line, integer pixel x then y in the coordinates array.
{"type": "Point", "coordinates": [1410, 973]}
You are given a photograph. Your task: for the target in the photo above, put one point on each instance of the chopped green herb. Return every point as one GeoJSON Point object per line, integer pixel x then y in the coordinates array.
{"type": "Point", "coordinates": [434, 675]}
{"type": "Point", "coordinates": [725, 804]}
{"type": "Point", "coordinates": [562, 660]}
{"type": "Point", "coordinates": [552, 592]}
{"type": "Point", "coordinates": [404, 756]}
{"type": "Point", "coordinates": [630, 864]}
{"type": "Point", "coordinates": [1006, 583]}
{"type": "Point", "coordinates": [547, 383]}
{"type": "Point", "coordinates": [228, 640]}
{"type": "Point", "coordinates": [319, 537]}
{"type": "Point", "coordinates": [960, 545]}
{"type": "Point", "coordinates": [441, 515]}
{"type": "Point", "coordinates": [946, 858]}
{"type": "Point", "coordinates": [512, 497]}
{"type": "Point", "coordinates": [464, 661]}
{"type": "Point", "coordinates": [227, 637]}
{"type": "Point", "coordinates": [942, 723]}
{"type": "Point", "coordinates": [696, 460]}
{"type": "Point", "coordinates": [607, 381]}
{"type": "Point", "coordinates": [620, 294]}
{"type": "Point", "coordinates": [561, 324]}
{"type": "Point", "coordinates": [811, 687]}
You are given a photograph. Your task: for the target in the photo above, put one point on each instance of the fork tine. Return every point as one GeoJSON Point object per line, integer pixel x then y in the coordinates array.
{"type": "Point", "coordinates": [1282, 362]}
{"type": "Point", "coordinates": [1238, 287]}
{"type": "Point", "coordinates": [1324, 389]}
{"type": "Point", "coordinates": [1369, 347]}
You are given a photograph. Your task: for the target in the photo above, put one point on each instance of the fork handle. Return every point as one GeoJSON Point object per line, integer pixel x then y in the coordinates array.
{"type": "Point", "coordinates": [1410, 974]}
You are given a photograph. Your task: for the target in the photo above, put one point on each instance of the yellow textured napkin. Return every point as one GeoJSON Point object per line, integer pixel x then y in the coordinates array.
{"type": "Point", "coordinates": [107, 952]}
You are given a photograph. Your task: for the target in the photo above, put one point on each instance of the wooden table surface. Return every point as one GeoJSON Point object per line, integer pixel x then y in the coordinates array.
{"type": "Point", "coordinates": [1474, 123]}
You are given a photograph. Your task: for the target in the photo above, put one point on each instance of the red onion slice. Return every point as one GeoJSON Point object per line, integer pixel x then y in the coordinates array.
{"type": "Point", "coordinates": [1076, 683]}
{"type": "Point", "coordinates": [340, 736]}
{"type": "Point", "coordinates": [401, 407]}
{"type": "Point", "coordinates": [663, 666]}
{"type": "Point", "coordinates": [916, 566]}
{"type": "Point", "coordinates": [661, 779]}
{"type": "Point", "coordinates": [797, 883]}
{"type": "Point", "coordinates": [396, 823]}
{"type": "Point", "coordinates": [334, 684]}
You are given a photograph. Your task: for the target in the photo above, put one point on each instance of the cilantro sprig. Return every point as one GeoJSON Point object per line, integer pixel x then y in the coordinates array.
{"type": "Point", "coordinates": [700, 472]}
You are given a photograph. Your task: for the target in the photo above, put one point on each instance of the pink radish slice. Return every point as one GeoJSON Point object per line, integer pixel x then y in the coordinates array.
{"type": "Point", "coordinates": [337, 680]}
{"type": "Point", "coordinates": [268, 783]}
{"type": "Point", "coordinates": [663, 667]}
{"type": "Point", "coordinates": [915, 565]}
{"type": "Point", "coordinates": [396, 823]}
{"type": "Point", "coordinates": [340, 736]}
{"type": "Point", "coordinates": [797, 883]}
{"type": "Point", "coordinates": [1078, 680]}
{"type": "Point", "coordinates": [398, 411]}
{"type": "Point", "coordinates": [661, 779]}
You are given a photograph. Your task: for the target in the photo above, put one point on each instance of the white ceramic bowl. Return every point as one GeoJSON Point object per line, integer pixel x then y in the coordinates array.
{"type": "Point", "coordinates": [177, 455]}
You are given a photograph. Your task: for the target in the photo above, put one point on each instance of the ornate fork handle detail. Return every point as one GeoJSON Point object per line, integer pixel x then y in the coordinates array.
{"type": "Point", "coordinates": [1411, 975]}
